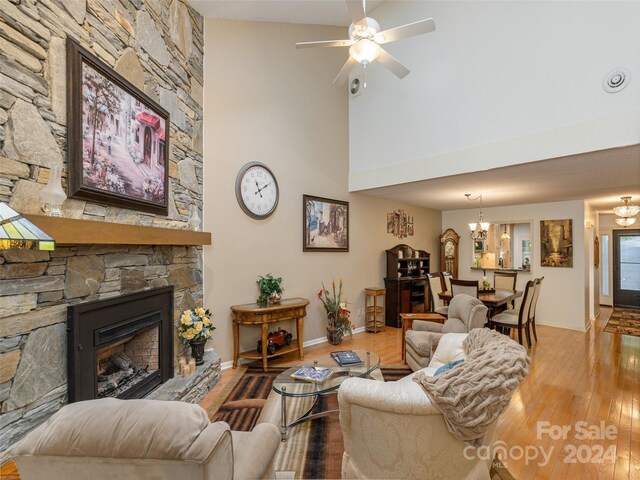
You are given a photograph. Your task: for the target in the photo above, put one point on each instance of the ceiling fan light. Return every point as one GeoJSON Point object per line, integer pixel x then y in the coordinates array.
{"type": "Point", "coordinates": [627, 209]}
{"type": "Point", "coordinates": [626, 221]}
{"type": "Point", "coordinates": [364, 51]}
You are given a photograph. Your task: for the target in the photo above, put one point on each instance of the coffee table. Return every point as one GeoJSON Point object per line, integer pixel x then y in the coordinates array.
{"type": "Point", "coordinates": [286, 386]}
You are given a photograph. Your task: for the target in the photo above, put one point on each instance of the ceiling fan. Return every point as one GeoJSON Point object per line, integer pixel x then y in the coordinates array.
{"type": "Point", "coordinates": [365, 39]}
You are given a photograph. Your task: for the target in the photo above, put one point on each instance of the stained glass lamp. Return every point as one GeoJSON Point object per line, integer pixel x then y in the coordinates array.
{"type": "Point", "coordinates": [18, 232]}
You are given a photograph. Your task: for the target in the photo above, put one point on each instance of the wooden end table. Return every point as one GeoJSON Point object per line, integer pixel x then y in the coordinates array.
{"type": "Point", "coordinates": [254, 315]}
{"type": "Point", "coordinates": [407, 322]}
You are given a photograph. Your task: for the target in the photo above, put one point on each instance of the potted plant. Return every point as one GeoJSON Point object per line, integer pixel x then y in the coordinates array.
{"type": "Point", "coordinates": [195, 327]}
{"type": "Point", "coordinates": [337, 313]}
{"type": "Point", "coordinates": [270, 289]}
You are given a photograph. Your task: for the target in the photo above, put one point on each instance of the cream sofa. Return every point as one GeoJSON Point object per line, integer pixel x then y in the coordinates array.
{"type": "Point", "coordinates": [143, 439]}
{"type": "Point", "coordinates": [392, 430]}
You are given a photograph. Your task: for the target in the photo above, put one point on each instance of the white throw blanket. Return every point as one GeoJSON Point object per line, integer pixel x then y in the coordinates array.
{"type": "Point", "coordinates": [474, 393]}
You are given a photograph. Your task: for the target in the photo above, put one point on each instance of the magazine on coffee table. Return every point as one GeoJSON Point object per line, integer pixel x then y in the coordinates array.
{"type": "Point", "coordinates": [312, 374]}
{"type": "Point", "coordinates": [346, 358]}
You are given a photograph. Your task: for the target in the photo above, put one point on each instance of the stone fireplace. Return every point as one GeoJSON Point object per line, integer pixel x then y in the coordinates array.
{"type": "Point", "coordinates": [158, 47]}
{"type": "Point", "coordinates": [121, 347]}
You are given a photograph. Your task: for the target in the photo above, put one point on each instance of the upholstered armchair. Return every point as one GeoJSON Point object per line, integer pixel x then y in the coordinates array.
{"type": "Point", "coordinates": [392, 430]}
{"type": "Point", "coordinates": [465, 313]}
{"type": "Point", "coordinates": [143, 439]}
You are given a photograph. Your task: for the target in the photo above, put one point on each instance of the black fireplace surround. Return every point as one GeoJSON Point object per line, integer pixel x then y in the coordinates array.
{"type": "Point", "coordinates": [92, 326]}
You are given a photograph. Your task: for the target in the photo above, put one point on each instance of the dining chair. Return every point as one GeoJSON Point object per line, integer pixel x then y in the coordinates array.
{"type": "Point", "coordinates": [446, 279]}
{"type": "Point", "coordinates": [436, 286]}
{"type": "Point", "coordinates": [519, 319]}
{"type": "Point", "coordinates": [470, 287]}
{"type": "Point", "coordinates": [534, 303]}
{"type": "Point", "coordinates": [505, 281]}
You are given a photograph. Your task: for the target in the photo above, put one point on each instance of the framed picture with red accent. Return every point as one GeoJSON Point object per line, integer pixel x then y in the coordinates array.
{"type": "Point", "coordinates": [118, 137]}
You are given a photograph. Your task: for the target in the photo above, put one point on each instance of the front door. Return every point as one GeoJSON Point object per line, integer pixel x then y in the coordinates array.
{"type": "Point", "coordinates": [626, 268]}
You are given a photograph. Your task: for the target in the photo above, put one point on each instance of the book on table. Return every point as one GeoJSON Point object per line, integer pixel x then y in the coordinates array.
{"type": "Point", "coordinates": [312, 374]}
{"type": "Point", "coordinates": [346, 358]}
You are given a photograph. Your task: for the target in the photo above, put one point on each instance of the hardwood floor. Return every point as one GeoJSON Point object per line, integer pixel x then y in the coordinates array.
{"type": "Point", "coordinates": [590, 377]}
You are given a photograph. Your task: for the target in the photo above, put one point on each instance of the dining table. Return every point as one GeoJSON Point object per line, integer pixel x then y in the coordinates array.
{"type": "Point", "coordinates": [494, 300]}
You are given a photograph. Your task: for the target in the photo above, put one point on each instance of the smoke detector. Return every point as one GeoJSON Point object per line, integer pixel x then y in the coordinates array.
{"type": "Point", "coordinates": [616, 80]}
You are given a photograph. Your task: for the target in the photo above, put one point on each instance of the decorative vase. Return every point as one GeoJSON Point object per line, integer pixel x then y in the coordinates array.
{"type": "Point", "coordinates": [334, 337]}
{"type": "Point", "coordinates": [274, 298]}
{"type": "Point", "coordinates": [197, 350]}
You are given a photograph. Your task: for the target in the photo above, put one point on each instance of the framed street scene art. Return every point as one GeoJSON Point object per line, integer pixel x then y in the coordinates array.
{"type": "Point", "coordinates": [118, 145]}
{"type": "Point", "coordinates": [325, 225]}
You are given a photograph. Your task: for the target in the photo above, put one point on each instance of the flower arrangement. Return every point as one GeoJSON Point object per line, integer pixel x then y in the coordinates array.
{"type": "Point", "coordinates": [337, 312]}
{"type": "Point", "coordinates": [195, 324]}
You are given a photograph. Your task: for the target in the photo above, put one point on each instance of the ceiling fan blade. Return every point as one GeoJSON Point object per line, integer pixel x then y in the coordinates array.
{"type": "Point", "coordinates": [356, 9]}
{"type": "Point", "coordinates": [326, 43]}
{"type": "Point", "coordinates": [388, 60]}
{"type": "Point", "coordinates": [405, 31]}
{"type": "Point", "coordinates": [343, 75]}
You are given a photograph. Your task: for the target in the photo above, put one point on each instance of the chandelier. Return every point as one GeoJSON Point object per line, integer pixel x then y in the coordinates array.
{"type": "Point", "coordinates": [626, 221]}
{"type": "Point", "coordinates": [627, 211]}
{"type": "Point", "coordinates": [479, 229]}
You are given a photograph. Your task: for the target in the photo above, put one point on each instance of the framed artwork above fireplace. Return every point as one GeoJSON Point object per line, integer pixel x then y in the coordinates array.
{"type": "Point", "coordinates": [118, 137]}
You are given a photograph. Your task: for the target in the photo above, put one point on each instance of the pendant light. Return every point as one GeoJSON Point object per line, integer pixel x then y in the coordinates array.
{"type": "Point", "coordinates": [505, 235]}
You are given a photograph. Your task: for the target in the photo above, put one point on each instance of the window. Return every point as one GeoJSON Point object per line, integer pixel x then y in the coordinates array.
{"type": "Point", "coordinates": [604, 265]}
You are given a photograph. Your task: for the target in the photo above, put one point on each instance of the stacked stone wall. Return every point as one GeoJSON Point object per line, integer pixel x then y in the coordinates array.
{"type": "Point", "coordinates": [158, 46]}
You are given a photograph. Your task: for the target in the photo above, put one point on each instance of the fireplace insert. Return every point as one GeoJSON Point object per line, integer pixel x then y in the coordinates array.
{"type": "Point", "coordinates": [121, 347]}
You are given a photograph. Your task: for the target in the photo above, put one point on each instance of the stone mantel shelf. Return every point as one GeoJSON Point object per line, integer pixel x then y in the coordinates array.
{"type": "Point", "coordinates": [69, 231]}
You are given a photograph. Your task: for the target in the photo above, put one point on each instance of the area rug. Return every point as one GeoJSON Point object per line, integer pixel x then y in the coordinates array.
{"type": "Point", "coordinates": [313, 449]}
{"type": "Point", "coordinates": [625, 321]}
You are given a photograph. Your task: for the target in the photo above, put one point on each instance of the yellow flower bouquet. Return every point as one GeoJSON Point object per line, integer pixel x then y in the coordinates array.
{"type": "Point", "coordinates": [195, 325]}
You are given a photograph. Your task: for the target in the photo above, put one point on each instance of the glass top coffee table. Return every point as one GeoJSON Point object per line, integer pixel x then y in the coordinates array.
{"type": "Point", "coordinates": [286, 386]}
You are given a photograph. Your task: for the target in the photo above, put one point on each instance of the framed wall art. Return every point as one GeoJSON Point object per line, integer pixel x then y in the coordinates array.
{"type": "Point", "coordinates": [556, 243]}
{"type": "Point", "coordinates": [118, 137]}
{"type": "Point", "coordinates": [325, 225]}
{"type": "Point", "coordinates": [400, 224]}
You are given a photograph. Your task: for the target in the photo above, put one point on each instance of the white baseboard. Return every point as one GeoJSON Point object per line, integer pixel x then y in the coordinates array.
{"type": "Point", "coordinates": [308, 343]}
{"type": "Point", "coordinates": [562, 326]}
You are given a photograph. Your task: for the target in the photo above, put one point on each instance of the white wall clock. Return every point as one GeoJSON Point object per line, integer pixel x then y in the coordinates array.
{"type": "Point", "coordinates": [257, 190]}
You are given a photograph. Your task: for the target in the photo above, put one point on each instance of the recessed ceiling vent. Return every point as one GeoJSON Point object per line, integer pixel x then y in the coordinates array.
{"type": "Point", "coordinates": [616, 80]}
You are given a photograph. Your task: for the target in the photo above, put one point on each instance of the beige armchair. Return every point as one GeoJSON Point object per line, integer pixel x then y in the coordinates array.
{"type": "Point", "coordinates": [440, 426]}
{"type": "Point", "coordinates": [143, 439]}
{"type": "Point", "coordinates": [465, 314]}
{"type": "Point", "coordinates": [392, 430]}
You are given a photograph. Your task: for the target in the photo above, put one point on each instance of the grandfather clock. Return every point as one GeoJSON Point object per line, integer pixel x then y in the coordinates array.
{"type": "Point", "coordinates": [449, 252]}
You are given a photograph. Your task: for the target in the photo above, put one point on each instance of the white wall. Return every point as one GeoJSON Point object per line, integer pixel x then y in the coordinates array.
{"type": "Point", "coordinates": [498, 83]}
{"type": "Point", "coordinates": [266, 101]}
{"type": "Point", "coordinates": [562, 300]}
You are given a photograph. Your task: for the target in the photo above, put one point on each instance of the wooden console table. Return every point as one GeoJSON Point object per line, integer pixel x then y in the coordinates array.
{"type": "Point", "coordinates": [252, 314]}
